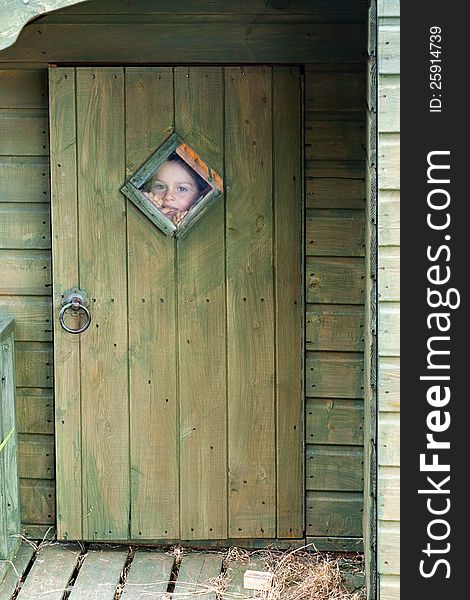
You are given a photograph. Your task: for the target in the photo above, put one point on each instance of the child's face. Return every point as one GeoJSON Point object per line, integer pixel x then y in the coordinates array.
{"type": "Point", "coordinates": [173, 189]}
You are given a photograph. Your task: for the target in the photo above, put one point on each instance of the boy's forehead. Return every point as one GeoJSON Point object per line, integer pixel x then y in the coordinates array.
{"type": "Point", "coordinates": [173, 169]}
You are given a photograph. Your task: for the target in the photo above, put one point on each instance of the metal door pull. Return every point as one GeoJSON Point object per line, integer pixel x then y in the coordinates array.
{"type": "Point", "coordinates": [76, 300]}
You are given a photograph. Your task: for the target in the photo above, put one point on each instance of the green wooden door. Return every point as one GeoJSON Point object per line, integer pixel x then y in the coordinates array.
{"type": "Point", "coordinates": [179, 410]}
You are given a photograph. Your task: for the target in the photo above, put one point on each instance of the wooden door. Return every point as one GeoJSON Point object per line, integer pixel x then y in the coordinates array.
{"type": "Point", "coordinates": [179, 410]}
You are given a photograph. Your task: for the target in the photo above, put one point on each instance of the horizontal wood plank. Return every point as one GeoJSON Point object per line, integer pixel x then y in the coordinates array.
{"type": "Point", "coordinates": [388, 8]}
{"type": "Point", "coordinates": [32, 314]}
{"type": "Point", "coordinates": [24, 179]}
{"type": "Point", "coordinates": [25, 272]}
{"type": "Point", "coordinates": [389, 50]}
{"type": "Point", "coordinates": [36, 456]}
{"type": "Point", "coordinates": [335, 544]}
{"type": "Point", "coordinates": [331, 140]}
{"type": "Point", "coordinates": [389, 218]}
{"type": "Point", "coordinates": [221, 7]}
{"type": "Point", "coordinates": [25, 226]}
{"type": "Point", "coordinates": [389, 384]}
{"type": "Point", "coordinates": [389, 161]}
{"type": "Point", "coordinates": [37, 499]}
{"type": "Point", "coordinates": [24, 132]}
{"type": "Point", "coordinates": [389, 586]}
{"type": "Point", "coordinates": [23, 88]}
{"type": "Point", "coordinates": [334, 513]}
{"type": "Point", "coordinates": [389, 274]}
{"type": "Point", "coordinates": [389, 329]}
{"type": "Point", "coordinates": [335, 192]}
{"type": "Point", "coordinates": [34, 364]}
{"type": "Point", "coordinates": [334, 233]}
{"type": "Point", "coordinates": [335, 280]}
{"type": "Point", "coordinates": [337, 422]}
{"type": "Point", "coordinates": [388, 500]}
{"type": "Point", "coordinates": [34, 410]}
{"type": "Point", "coordinates": [389, 104]}
{"type": "Point", "coordinates": [339, 169]}
{"type": "Point", "coordinates": [334, 468]}
{"type": "Point", "coordinates": [388, 450]}
{"type": "Point", "coordinates": [221, 42]}
{"type": "Point", "coordinates": [335, 92]}
{"type": "Point", "coordinates": [334, 327]}
{"type": "Point", "coordinates": [334, 375]}
{"type": "Point", "coordinates": [388, 551]}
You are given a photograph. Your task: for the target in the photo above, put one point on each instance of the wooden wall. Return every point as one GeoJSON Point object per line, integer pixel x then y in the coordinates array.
{"type": "Point", "coordinates": [388, 441]}
{"type": "Point", "coordinates": [332, 43]}
{"type": "Point", "coordinates": [335, 192]}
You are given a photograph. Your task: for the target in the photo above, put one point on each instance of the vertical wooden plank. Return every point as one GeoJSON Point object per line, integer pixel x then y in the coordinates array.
{"type": "Point", "coordinates": [152, 322]}
{"type": "Point", "coordinates": [288, 299]}
{"type": "Point", "coordinates": [202, 321]}
{"type": "Point", "coordinates": [10, 483]}
{"type": "Point", "coordinates": [250, 303]}
{"type": "Point", "coordinates": [104, 346]}
{"type": "Point", "coordinates": [64, 213]}
{"type": "Point", "coordinates": [3, 466]}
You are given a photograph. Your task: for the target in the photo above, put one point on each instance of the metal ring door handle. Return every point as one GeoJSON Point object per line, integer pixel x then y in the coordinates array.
{"type": "Point", "coordinates": [76, 300]}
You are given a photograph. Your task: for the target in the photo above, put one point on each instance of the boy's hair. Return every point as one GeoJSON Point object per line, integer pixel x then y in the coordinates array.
{"type": "Point", "coordinates": [202, 186]}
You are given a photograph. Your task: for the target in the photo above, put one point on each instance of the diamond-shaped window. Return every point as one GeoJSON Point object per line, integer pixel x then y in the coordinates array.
{"type": "Point", "coordinates": [175, 187]}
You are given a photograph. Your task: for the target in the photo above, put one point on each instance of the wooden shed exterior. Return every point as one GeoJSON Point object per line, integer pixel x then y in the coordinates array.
{"type": "Point", "coordinates": [328, 40]}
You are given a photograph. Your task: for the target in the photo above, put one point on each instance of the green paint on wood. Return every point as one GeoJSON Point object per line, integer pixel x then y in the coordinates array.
{"type": "Point", "coordinates": [250, 279]}
{"type": "Point", "coordinates": [150, 574]}
{"type": "Point", "coordinates": [287, 256]}
{"type": "Point", "coordinates": [9, 490]}
{"type": "Point", "coordinates": [99, 574]}
{"type": "Point", "coordinates": [11, 573]}
{"type": "Point", "coordinates": [334, 513]}
{"type": "Point", "coordinates": [333, 421]}
{"type": "Point", "coordinates": [334, 327]}
{"type": "Point", "coordinates": [24, 179]}
{"type": "Point", "coordinates": [195, 574]}
{"type": "Point", "coordinates": [38, 501]}
{"type": "Point", "coordinates": [202, 321]}
{"type": "Point", "coordinates": [152, 322]}
{"type": "Point", "coordinates": [51, 572]}
{"type": "Point", "coordinates": [334, 468]}
{"type": "Point", "coordinates": [103, 274]}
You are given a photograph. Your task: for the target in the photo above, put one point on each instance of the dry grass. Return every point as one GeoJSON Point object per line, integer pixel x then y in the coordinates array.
{"type": "Point", "coordinates": [297, 575]}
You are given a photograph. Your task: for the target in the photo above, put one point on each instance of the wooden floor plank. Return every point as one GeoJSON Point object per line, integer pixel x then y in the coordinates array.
{"type": "Point", "coordinates": [13, 574]}
{"type": "Point", "coordinates": [194, 572]}
{"type": "Point", "coordinates": [149, 574]}
{"type": "Point", "coordinates": [99, 574]}
{"type": "Point", "coordinates": [235, 572]}
{"type": "Point", "coordinates": [50, 572]}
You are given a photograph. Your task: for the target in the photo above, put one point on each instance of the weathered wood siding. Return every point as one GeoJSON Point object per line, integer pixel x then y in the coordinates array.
{"type": "Point", "coordinates": [9, 505]}
{"type": "Point", "coordinates": [332, 43]}
{"type": "Point", "coordinates": [388, 442]}
{"type": "Point", "coordinates": [335, 193]}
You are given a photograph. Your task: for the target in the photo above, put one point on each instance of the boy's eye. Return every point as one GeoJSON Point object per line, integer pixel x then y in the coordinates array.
{"type": "Point", "coordinates": [159, 187]}
{"type": "Point", "coordinates": [182, 188]}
